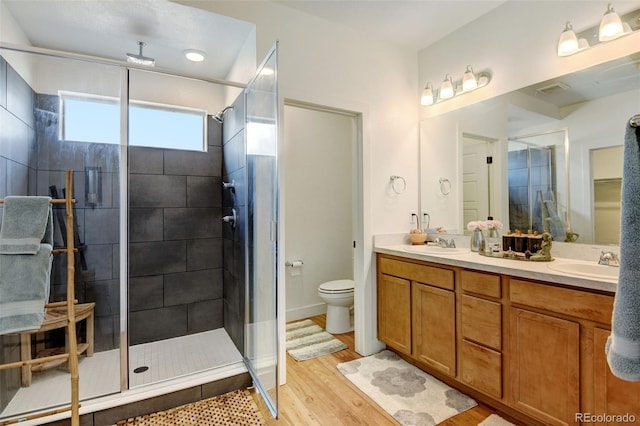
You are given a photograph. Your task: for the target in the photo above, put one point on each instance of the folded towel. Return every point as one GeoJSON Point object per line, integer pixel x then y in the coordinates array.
{"type": "Point", "coordinates": [26, 222]}
{"type": "Point", "coordinates": [24, 289]}
{"type": "Point", "coordinates": [623, 346]}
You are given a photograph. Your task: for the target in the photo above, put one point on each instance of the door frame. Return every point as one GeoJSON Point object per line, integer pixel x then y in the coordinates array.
{"type": "Point", "coordinates": [358, 225]}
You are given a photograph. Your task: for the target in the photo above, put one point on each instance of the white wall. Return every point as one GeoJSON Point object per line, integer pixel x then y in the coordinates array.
{"type": "Point", "coordinates": [10, 32]}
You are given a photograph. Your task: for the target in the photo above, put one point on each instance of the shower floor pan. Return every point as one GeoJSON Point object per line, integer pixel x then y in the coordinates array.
{"type": "Point", "coordinates": [100, 374]}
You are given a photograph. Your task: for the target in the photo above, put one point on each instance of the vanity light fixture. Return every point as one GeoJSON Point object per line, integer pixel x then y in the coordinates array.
{"type": "Point", "coordinates": [611, 27]}
{"type": "Point", "coordinates": [568, 42]}
{"type": "Point", "coordinates": [469, 81]}
{"type": "Point", "coordinates": [448, 89]}
{"type": "Point", "coordinates": [194, 55]}
{"type": "Point", "coordinates": [427, 95]}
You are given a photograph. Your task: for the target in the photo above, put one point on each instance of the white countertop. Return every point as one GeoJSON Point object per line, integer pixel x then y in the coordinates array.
{"type": "Point", "coordinates": [523, 269]}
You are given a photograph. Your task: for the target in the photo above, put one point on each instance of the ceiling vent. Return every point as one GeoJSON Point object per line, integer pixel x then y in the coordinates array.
{"type": "Point", "coordinates": [552, 89]}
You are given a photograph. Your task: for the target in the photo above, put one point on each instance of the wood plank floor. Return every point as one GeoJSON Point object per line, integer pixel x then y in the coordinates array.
{"type": "Point", "coordinates": [316, 393]}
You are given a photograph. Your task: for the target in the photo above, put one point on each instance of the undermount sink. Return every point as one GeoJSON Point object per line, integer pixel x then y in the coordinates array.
{"type": "Point", "coordinates": [424, 249]}
{"type": "Point", "coordinates": [590, 270]}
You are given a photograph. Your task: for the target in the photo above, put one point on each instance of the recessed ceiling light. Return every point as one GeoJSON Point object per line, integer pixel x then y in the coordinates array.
{"type": "Point", "coordinates": [194, 55]}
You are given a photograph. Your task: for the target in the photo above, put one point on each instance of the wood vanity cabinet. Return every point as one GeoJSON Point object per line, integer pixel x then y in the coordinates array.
{"type": "Point", "coordinates": [434, 327]}
{"type": "Point", "coordinates": [533, 349]}
{"type": "Point", "coordinates": [562, 332]}
{"type": "Point", "coordinates": [394, 312]}
{"type": "Point", "coordinates": [481, 331]}
{"type": "Point", "coordinates": [612, 395]}
{"type": "Point", "coordinates": [416, 311]}
{"type": "Point", "coordinates": [545, 359]}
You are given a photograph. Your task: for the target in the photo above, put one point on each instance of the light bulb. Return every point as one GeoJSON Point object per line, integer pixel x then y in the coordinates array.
{"type": "Point", "coordinates": [446, 88]}
{"type": "Point", "coordinates": [610, 25]}
{"type": "Point", "coordinates": [568, 42]}
{"type": "Point", "coordinates": [469, 81]}
{"type": "Point", "coordinates": [194, 55]}
{"type": "Point", "coordinates": [427, 95]}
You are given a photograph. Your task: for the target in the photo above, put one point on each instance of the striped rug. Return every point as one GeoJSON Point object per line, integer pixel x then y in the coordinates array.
{"type": "Point", "coordinates": [306, 340]}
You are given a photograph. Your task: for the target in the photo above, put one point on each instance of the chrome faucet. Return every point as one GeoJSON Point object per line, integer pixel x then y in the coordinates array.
{"type": "Point", "coordinates": [441, 242]}
{"type": "Point", "coordinates": [609, 258]}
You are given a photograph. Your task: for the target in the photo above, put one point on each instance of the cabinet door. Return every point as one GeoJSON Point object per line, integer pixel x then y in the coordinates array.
{"type": "Point", "coordinates": [394, 312]}
{"type": "Point", "coordinates": [544, 366]}
{"type": "Point", "coordinates": [613, 396]}
{"type": "Point", "coordinates": [434, 327]}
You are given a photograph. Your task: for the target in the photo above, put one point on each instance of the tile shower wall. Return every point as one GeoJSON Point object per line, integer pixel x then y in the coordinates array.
{"type": "Point", "coordinates": [234, 169]}
{"type": "Point", "coordinates": [529, 172]}
{"type": "Point", "coordinates": [175, 240]}
{"type": "Point", "coordinates": [97, 226]}
{"type": "Point", "coordinates": [17, 177]}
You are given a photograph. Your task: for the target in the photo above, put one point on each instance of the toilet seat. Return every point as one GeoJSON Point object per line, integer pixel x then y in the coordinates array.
{"type": "Point", "coordinates": [337, 287]}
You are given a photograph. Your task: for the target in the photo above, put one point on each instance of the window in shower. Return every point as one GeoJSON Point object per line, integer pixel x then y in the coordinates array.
{"type": "Point", "coordinates": [91, 118]}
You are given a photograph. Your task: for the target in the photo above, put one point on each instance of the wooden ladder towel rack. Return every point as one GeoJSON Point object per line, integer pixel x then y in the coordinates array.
{"type": "Point", "coordinates": [72, 354]}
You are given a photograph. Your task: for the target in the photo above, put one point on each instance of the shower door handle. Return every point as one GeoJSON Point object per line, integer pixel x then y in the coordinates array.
{"type": "Point", "coordinates": [231, 219]}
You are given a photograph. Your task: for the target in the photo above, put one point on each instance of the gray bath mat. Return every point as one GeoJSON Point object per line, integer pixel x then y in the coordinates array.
{"type": "Point", "coordinates": [306, 340]}
{"type": "Point", "coordinates": [407, 393]}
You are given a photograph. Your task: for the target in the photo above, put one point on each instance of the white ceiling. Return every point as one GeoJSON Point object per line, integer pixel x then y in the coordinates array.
{"type": "Point", "coordinates": [110, 29]}
{"type": "Point", "coordinates": [415, 24]}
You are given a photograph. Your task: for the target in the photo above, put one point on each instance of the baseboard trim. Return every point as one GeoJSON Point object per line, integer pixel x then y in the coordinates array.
{"type": "Point", "coordinates": [306, 311]}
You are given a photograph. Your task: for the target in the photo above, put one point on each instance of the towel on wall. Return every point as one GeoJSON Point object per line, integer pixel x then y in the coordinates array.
{"type": "Point", "coordinates": [26, 222]}
{"type": "Point", "coordinates": [623, 346]}
{"type": "Point", "coordinates": [26, 243]}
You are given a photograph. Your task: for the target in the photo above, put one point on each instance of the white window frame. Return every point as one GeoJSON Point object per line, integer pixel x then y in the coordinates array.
{"type": "Point", "coordinates": [64, 95]}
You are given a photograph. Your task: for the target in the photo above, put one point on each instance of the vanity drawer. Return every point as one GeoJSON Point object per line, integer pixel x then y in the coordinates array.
{"type": "Point", "coordinates": [576, 303]}
{"type": "Point", "coordinates": [437, 277]}
{"type": "Point", "coordinates": [481, 368]}
{"type": "Point", "coordinates": [482, 321]}
{"type": "Point", "coordinates": [481, 283]}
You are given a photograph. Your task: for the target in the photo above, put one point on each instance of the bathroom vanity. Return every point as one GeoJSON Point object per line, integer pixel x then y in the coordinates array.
{"type": "Point", "coordinates": [519, 336]}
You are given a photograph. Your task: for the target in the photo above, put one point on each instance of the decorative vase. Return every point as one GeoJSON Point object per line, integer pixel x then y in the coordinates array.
{"type": "Point", "coordinates": [493, 233]}
{"type": "Point", "coordinates": [477, 240]}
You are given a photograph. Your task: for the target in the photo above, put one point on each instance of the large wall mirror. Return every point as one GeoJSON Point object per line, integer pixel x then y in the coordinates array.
{"type": "Point", "coordinates": [548, 156]}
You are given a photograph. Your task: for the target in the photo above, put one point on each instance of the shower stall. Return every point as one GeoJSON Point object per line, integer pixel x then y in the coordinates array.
{"type": "Point", "coordinates": [536, 186]}
{"type": "Point", "coordinates": [173, 284]}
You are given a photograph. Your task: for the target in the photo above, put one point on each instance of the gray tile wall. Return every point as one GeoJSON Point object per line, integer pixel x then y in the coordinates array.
{"type": "Point", "coordinates": [234, 169]}
{"type": "Point", "coordinates": [17, 144]}
{"type": "Point", "coordinates": [529, 172]}
{"type": "Point", "coordinates": [175, 247]}
{"type": "Point", "coordinates": [97, 227]}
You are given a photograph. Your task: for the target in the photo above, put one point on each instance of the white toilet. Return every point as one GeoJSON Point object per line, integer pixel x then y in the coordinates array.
{"type": "Point", "coordinates": [338, 295]}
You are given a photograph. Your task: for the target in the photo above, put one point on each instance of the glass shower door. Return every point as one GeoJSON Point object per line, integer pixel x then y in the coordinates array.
{"type": "Point", "coordinates": [261, 342]}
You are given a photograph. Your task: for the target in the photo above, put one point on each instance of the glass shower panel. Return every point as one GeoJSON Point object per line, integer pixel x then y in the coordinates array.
{"type": "Point", "coordinates": [261, 344]}
{"type": "Point", "coordinates": [537, 183]}
{"type": "Point", "coordinates": [175, 229]}
{"type": "Point", "coordinates": [34, 157]}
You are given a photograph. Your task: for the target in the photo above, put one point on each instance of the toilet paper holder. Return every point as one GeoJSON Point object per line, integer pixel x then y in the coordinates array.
{"type": "Point", "coordinates": [294, 264]}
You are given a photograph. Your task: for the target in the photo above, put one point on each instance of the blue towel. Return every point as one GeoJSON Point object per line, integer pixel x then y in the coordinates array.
{"type": "Point", "coordinates": [623, 346]}
{"type": "Point", "coordinates": [26, 242]}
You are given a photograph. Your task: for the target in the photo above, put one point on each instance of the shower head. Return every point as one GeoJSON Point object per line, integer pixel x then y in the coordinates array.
{"type": "Point", "coordinates": [219, 117]}
{"type": "Point", "coordinates": [139, 58]}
